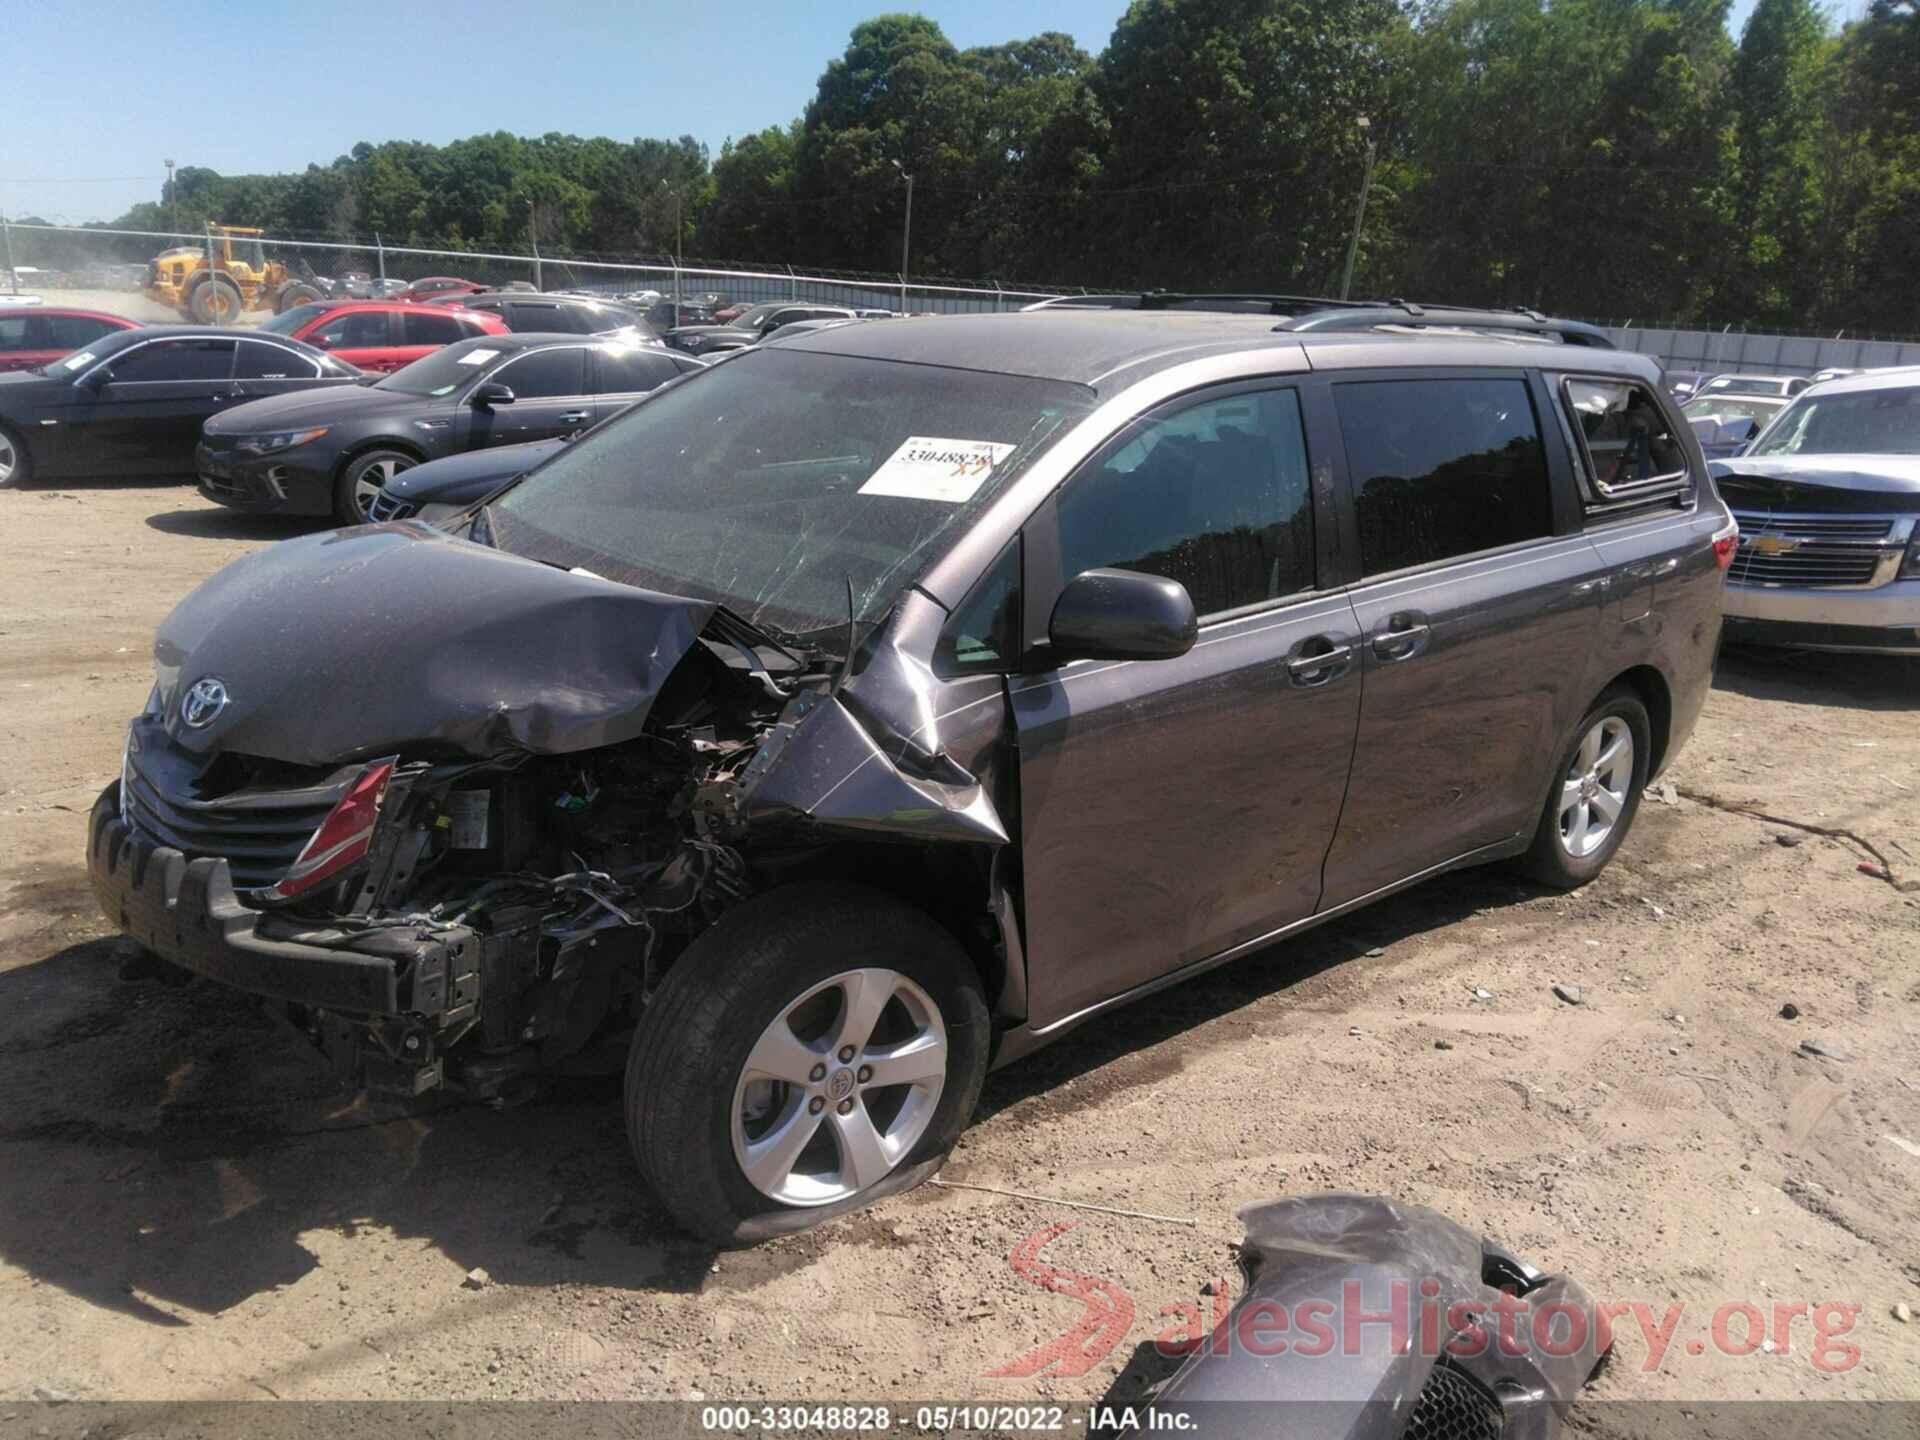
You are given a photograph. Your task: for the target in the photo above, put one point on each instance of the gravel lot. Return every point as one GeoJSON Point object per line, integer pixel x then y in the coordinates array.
{"type": "Point", "coordinates": [189, 1209]}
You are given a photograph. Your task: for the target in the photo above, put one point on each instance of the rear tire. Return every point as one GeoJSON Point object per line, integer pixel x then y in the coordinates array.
{"type": "Point", "coordinates": [799, 964]}
{"type": "Point", "coordinates": [363, 480]}
{"type": "Point", "coordinates": [1597, 782]}
{"type": "Point", "coordinates": [293, 293]}
{"type": "Point", "coordinates": [214, 301]}
{"type": "Point", "coordinates": [16, 465]}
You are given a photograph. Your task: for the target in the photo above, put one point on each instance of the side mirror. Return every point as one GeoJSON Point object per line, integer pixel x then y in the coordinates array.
{"type": "Point", "coordinates": [485, 397]}
{"type": "Point", "coordinates": [1122, 615]}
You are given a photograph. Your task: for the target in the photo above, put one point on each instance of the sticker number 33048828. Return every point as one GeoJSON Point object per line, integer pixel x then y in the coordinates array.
{"type": "Point", "coordinates": [927, 467]}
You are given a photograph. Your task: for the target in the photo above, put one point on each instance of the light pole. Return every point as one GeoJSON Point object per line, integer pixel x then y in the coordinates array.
{"type": "Point", "coordinates": [173, 201]}
{"type": "Point", "coordinates": [906, 235]}
{"type": "Point", "coordinates": [668, 187]}
{"type": "Point", "coordinates": [1360, 210]}
{"type": "Point", "coordinates": [533, 238]}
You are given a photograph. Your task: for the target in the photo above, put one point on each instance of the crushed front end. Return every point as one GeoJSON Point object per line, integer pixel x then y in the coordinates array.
{"type": "Point", "coordinates": [430, 922]}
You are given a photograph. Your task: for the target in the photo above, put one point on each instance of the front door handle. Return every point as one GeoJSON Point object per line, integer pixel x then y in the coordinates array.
{"type": "Point", "coordinates": [1405, 636]}
{"type": "Point", "coordinates": [1319, 659]}
{"type": "Point", "coordinates": [574, 417]}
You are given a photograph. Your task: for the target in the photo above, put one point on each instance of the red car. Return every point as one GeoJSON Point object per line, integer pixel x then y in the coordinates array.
{"type": "Point", "coordinates": [435, 287]}
{"type": "Point", "coordinates": [30, 338]}
{"type": "Point", "coordinates": [381, 334]}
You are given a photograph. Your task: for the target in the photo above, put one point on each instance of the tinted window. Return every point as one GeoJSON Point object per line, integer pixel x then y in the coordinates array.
{"type": "Point", "coordinates": [1442, 468]}
{"type": "Point", "coordinates": [13, 332]}
{"type": "Point", "coordinates": [1216, 496]}
{"type": "Point", "coordinates": [1625, 435]}
{"type": "Point", "coordinates": [546, 372]}
{"type": "Point", "coordinates": [536, 316]}
{"type": "Point", "coordinates": [624, 368]}
{"type": "Point", "coordinates": [289, 322]}
{"type": "Point", "coordinates": [272, 362]}
{"type": "Point", "coordinates": [984, 633]}
{"type": "Point", "coordinates": [423, 327]}
{"type": "Point", "coordinates": [356, 330]}
{"type": "Point", "coordinates": [70, 332]}
{"type": "Point", "coordinates": [176, 360]}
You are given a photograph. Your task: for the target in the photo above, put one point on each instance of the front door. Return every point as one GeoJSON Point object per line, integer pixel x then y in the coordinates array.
{"type": "Point", "coordinates": [143, 416]}
{"type": "Point", "coordinates": [1478, 621]}
{"type": "Point", "coordinates": [1174, 809]}
{"type": "Point", "coordinates": [550, 399]}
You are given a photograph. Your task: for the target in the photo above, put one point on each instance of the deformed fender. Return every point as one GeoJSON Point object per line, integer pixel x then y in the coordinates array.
{"type": "Point", "coordinates": [819, 764]}
{"type": "Point", "coordinates": [1403, 1293]}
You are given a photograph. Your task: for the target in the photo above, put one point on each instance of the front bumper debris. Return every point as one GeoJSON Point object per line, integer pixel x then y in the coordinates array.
{"type": "Point", "coordinates": [186, 911]}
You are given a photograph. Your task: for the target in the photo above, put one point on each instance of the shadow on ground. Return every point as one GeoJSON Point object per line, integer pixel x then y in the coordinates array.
{"type": "Point", "coordinates": [168, 1147]}
{"type": "Point", "coordinates": [165, 1144]}
{"type": "Point", "coordinates": [1171, 1013]}
{"type": "Point", "coordinates": [1813, 677]}
{"type": "Point", "coordinates": [229, 524]}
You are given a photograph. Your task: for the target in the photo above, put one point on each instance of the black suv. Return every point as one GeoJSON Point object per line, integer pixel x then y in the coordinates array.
{"type": "Point", "coordinates": [931, 688]}
{"type": "Point", "coordinates": [535, 313]}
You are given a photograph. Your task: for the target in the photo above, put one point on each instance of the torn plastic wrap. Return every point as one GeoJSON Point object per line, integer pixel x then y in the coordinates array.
{"type": "Point", "coordinates": [1366, 1255]}
{"type": "Point", "coordinates": [401, 638]}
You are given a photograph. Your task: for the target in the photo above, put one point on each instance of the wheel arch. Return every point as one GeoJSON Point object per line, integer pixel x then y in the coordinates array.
{"type": "Point", "coordinates": [378, 442]}
{"type": "Point", "coordinates": [960, 887]}
{"type": "Point", "coordinates": [1646, 682]}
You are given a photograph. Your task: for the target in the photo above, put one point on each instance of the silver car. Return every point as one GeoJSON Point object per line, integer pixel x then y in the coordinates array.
{"type": "Point", "coordinates": [1828, 501]}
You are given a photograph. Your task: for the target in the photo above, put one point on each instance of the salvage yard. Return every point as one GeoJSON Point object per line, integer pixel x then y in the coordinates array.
{"type": "Point", "coordinates": [190, 1209]}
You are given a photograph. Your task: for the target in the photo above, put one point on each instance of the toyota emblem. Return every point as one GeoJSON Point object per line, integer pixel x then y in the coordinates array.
{"type": "Point", "coordinates": [203, 702]}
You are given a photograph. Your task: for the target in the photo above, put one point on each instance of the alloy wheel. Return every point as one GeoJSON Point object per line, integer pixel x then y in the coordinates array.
{"type": "Point", "coordinates": [371, 483]}
{"type": "Point", "coordinates": [1594, 791]}
{"type": "Point", "coordinates": [839, 1088]}
{"type": "Point", "coordinates": [8, 460]}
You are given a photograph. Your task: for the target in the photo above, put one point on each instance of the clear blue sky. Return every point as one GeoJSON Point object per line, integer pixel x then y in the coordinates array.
{"type": "Point", "coordinates": [99, 95]}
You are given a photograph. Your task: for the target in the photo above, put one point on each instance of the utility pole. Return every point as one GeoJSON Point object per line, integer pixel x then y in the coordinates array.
{"type": "Point", "coordinates": [173, 203]}
{"type": "Point", "coordinates": [906, 235]}
{"type": "Point", "coordinates": [1360, 210]}
{"type": "Point", "coordinates": [6, 236]}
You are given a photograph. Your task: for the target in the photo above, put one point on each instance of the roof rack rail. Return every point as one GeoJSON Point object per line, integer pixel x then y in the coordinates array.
{"type": "Point", "coordinates": [1277, 304]}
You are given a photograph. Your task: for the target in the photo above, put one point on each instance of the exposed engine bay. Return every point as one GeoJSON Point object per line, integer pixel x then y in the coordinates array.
{"type": "Point", "coordinates": [477, 869]}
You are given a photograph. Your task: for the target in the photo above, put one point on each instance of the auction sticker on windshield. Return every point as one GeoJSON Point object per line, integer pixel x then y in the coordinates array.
{"type": "Point", "coordinates": [927, 467]}
{"type": "Point", "coordinates": [478, 357]}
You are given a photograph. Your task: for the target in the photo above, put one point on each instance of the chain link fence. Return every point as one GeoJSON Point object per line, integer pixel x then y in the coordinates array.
{"type": "Point", "coordinates": [51, 259]}
{"type": "Point", "coordinates": [59, 257]}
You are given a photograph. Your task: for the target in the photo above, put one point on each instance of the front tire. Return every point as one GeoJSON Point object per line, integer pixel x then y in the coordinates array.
{"type": "Point", "coordinates": [811, 1044]}
{"type": "Point", "coordinates": [16, 465]}
{"type": "Point", "coordinates": [214, 302]}
{"type": "Point", "coordinates": [364, 480]}
{"type": "Point", "coordinates": [294, 292]}
{"type": "Point", "coordinates": [1595, 793]}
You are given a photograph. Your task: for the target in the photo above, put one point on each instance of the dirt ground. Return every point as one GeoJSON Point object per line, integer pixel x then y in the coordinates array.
{"type": "Point", "coordinates": [188, 1209]}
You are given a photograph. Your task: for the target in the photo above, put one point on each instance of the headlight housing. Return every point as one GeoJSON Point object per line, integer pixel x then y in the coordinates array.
{"type": "Point", "coordinates": [1910, 565]}
{"type": "Point", "coordinates": [282, 440]}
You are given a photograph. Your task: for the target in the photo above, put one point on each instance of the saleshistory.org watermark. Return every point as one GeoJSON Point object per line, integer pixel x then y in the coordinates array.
{"type": "Point", "coordinates": [1414, 1316]}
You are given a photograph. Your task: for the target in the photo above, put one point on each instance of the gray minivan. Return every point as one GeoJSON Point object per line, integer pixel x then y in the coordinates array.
{"type": "Point", "coordinates": [932, 689]}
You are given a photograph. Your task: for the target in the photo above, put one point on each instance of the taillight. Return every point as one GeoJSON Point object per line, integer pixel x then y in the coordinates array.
{"type": "Point", "coordinates": [344, 837]}
{"type": "Point", "coordinates": [1725, 543]}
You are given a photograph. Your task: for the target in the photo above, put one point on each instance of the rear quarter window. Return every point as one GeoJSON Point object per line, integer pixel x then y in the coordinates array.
{"type": "Point", "coordinates": [1443, 468]}
{"type": "Point", "coordinates": [1628, 450]}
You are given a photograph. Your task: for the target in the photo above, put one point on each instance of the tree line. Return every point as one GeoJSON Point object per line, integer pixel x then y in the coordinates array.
{"type": "Point", "coordinates": [1605, 158]}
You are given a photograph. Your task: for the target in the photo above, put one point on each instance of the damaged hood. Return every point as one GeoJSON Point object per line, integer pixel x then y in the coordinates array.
{"type": "Point", "coordinates": [331, 402]}
{"type": "Point", "coordinates": [1821, 483]}
{"type": "Point", "coordinates": [399, 638]}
